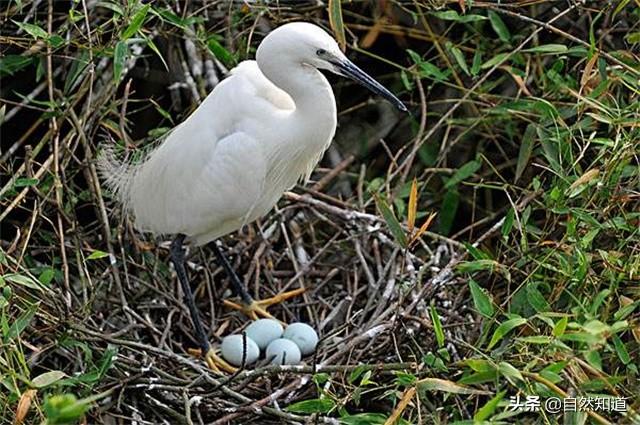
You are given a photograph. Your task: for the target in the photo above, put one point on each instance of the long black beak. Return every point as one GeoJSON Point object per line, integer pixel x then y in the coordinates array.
{"type": "Point", "coordinates": [347, 68]}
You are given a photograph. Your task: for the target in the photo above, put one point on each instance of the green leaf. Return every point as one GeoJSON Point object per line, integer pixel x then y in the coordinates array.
{"type": "Point", "coordinates": [448, 211]}
{"type": "Point", "coordinates": [459, 57]}
{"type": "Point", "coordinates": [499, 27]}
{"type": "Point", "coordinates": [392, 222]}
{"type": "Point", "coordinates": [56, 41]}
{"type": "Point", "coordinates": [437, 325]}
{"type": "Point", "coordinates": [526, 148]}
{"type": "Point", "coordinates": [497, 59]}
{"type": "Point", "coordinates": [504, 329]}
{"type": "Point", "coordinates": [481, 300]}
{"type": "Point", "coordinates": [219, 51]}
{"type": "Point", "coordinates": [560, 327]}
{"type": "Point", "coordinates": [97, 254]}
{"type": "Point", "coordinates": [487, 410]}
{"type": "Point", "coordinates": [25, 182]}
{"type": "Point", "coordinates": [318, 405]}
{"type": "Point", "coordinates": [507, 225]}
{"type": "Point", "coordinates": [23, 281]}
{"type": "Point", "coordinates": [477, 62]}
{"type": "Point", "coordinates": [621, 349]}
{"type": "Point", "coordinates": [536, 299]}
{"type": "Point", "coordinates": [10, 64]}
{"type": "Point", "coordinates": [462, 173]}
{"type": "Point", "coordinates": [548, 48]}
{"type": "Point", "coordinates": [78, 66]}
{"type": "Point", "coordinates": [452, 15]}
{"type": "Point", "coordinates": [364, 419]}
{"type": "Point", "coordinates": [21, 323]}
{"type": "Point", "coordinates": [136, 22]}
{"type": "Point", "coordinates": [48, 378]}
{"type": "Point", "coordinates": [356, 372]}
{"type": "Point", "coordinates": [65, 408]}
{"type": "Point", "coordinates": [510, 372]}
{"type": "Point", "coordinates": [119, 58]}
{"type": "Point", "coordinates": [632, 38]}
{"type": "Point", "coordinates": [33, 30]}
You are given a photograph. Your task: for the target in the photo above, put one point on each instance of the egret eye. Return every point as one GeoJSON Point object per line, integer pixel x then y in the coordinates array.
{"type": "Point", "coordinates": [321, 52]}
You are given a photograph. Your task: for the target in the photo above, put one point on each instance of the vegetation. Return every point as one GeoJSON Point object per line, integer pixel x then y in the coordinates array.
{"type": "Point", "coordinates": [485, 247]}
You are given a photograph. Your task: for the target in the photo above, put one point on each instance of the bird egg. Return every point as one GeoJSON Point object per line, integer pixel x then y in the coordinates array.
{"type": "Point", "coordinates": [283, 351]}
{"type": "Point", "coordinates": [304, 336]}
{"type": "Point", "coordinates": [233, 350]}
{"type": "Point", "coordinates": [264, 331]}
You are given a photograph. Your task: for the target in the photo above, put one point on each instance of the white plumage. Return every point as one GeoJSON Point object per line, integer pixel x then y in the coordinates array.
{"type": "Point", "coordinates": [256, 134]}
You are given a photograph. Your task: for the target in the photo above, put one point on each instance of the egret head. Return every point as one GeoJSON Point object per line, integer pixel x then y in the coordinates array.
{"type": "Point", "coordinates": [310, 45]}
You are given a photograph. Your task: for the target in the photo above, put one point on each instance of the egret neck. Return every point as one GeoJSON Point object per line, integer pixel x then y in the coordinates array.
{"type": "Point", "coordinates": [312, 124]}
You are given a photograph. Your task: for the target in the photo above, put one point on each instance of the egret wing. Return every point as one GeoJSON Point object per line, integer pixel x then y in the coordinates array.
{"type": "Point", "coordinates": [199, 189]}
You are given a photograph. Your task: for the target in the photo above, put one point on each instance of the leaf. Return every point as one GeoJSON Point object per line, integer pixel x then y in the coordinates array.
{"type": "Point", "coordinates": [436, 384]}
{"type": "Point", "coordinates": [25, 182]}
{"type": "Point", "coordinates": [413, 206]}
{"type": "Point", "coordinates": [548, 48]}
{"type": "Point", "coordinates": [318, 405]}
{"type": "Point", "coordinates": [621, 349]}
{"type": "Point", "coordinates": [78, 66]}
{"type": "Point", "coordinates": [10, 64]}
{"type": "Point", "coordinates": [136, 22]}
{"type": "Point", "coordinates": [497, 59]}
{"type": "Point", "coordinates": [335, 21]}
{"type": "Point", "coordinates": [48, 378]}
{"type": "Point", "coordinates": [559, 328]}
{"type": "Point", "coordinates": [219, 51]}
{"type": "Point", "coordinates": [64, 408]}
{"type": "Point", "coordinates": [448, 210]}
{"type": "Point", "coordinates": [452, 15]}
{"type": "Point", "coordinates": [481, 300]}
{"type": "Point", "coordinates": [535, 298]}
{"type": "Point", "coordinates": [364, 419]}
{"type": "Point", "coordinates": [22, 280]}
{"type": "Point", "coordinates": [119, 57]}
{"type": "Point", "coordinates": [504, 329]}
{"type": "Point", "coordinates": [508, 371]}
{"type": "Point", "coordinates": [459, 57]}
{"type": "Point", "coordinates": [437, 325]}
{"type": "Point", "coordinates": [23, 406]}
{"type": "Point", "coordinates": [526, 148]}
{"type": "Point", "coordinates": [97, 254]}
{"type": "Point", "coordinates": [507, 225]}
{"type": "Point", "coordinates": [356, 372]}
{"type": "Point", "coordinates": [499, 27]}
{"type": "Point", "coordinates": [423, 228]}
{"type": "Point", "coordinates": [430, 70]}
{"type": "Point", "coordinates": [392, 222]}
{"type": "Point", "coordinates": [462, 173]}
{"type": "Point", "coordinates": [487, 410]}
{"type": "Point", "coordinates": [33, 30]}
{"type": "Point", "coordinates": [21, 323]}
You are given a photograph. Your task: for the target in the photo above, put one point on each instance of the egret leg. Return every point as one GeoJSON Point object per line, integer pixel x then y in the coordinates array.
{"type": "Point", "coordinates": [178, 258]}
{"type": "Point", "coordinates": [252, 308]}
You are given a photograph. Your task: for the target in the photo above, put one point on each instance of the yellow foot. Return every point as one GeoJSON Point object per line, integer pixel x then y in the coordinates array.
{"type": "Point", "coordinates": [259, 307]}
{"type": "Point", "coordinates": [214, 361]}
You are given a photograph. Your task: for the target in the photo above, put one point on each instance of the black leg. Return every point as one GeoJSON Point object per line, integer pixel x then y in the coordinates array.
{"type": "Point", "coordinates": [237, 284]}
{"type": "Point", "coordinates": [177, 257]}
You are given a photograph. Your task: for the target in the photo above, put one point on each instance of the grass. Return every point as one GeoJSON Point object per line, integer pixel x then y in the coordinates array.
{"type": "Point", "coordinates": [484, 249]}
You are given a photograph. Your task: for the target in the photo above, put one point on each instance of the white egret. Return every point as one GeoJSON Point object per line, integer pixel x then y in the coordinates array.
{"type": "Point", "coordinates": [260, 131]}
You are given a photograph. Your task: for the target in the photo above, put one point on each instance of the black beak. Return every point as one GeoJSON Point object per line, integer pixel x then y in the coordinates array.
{"type": "Point", "coordinates": [348, 69]}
